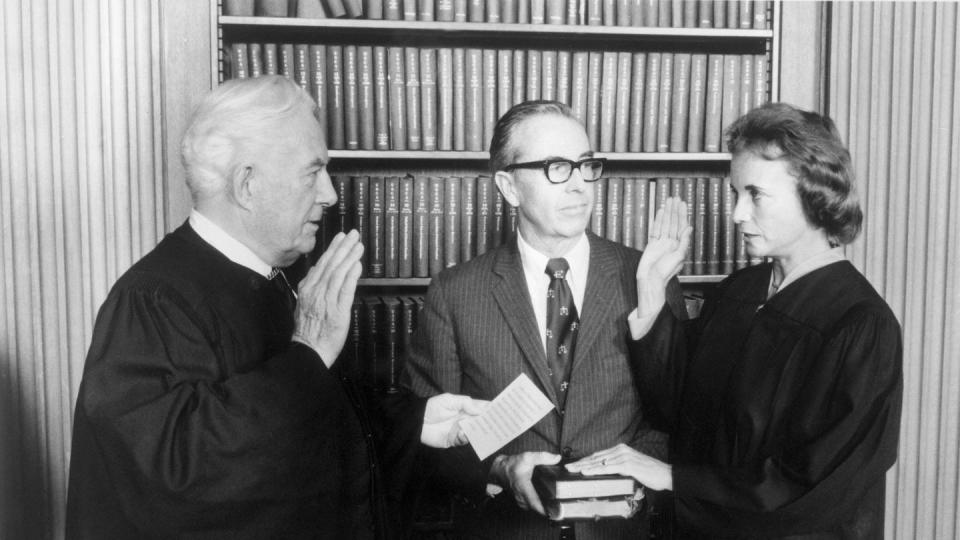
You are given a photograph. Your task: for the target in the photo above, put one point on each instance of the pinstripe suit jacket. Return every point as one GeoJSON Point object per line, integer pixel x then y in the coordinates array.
{"type": "Point", "coordinates": [477, 333]}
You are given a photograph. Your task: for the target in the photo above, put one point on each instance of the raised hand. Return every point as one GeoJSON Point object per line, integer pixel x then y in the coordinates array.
{"type": "Point", "coordinates": [322, 320]}
{"type": "Point", "coordinates": [663, 256]}
{"type": "Point", "coordinates": [441, 419]}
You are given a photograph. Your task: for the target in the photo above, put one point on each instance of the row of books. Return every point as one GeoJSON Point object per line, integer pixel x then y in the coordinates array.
{"type": "Point", "coordinates": [642, 13]}
{"type": "Point", "coordinates": [381, 330]}
{"type": "Point", "coordinates": [417, 226]}
{"type": "Point", "coordinates": [408, 98]}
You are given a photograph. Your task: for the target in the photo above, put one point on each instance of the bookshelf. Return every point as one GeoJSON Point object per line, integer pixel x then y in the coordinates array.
{"type": "Point", "coordinates": [506, 57]}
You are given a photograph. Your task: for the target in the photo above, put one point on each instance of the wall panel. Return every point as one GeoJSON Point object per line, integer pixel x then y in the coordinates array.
{"type": "Point", "coordinates": [894, 94]}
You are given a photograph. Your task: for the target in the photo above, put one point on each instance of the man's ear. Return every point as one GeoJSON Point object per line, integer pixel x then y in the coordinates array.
{"type": "Point", "coordinates": [505, 182]}
{"type": "Point", "coordinates": [242, 185]}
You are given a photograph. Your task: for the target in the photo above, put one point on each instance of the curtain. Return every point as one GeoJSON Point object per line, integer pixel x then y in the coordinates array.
{"type": "Point", "coordinates": [81, 198]}
{"type": "Point", "coordinates": [893, 90]}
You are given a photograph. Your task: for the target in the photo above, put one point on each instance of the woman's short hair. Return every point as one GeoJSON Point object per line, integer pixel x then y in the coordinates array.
{"type": "Point", "coordinates": [810, 144]}
{"type": "Point", "coordinates": [233, 120]}
{"type": "Point", "coordinates": [503, 151]}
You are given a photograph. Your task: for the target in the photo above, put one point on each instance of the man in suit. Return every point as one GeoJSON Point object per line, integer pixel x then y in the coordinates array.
{"type": "Point", "coordinates": [211, 405]}
{"type": "Point", "coordinates": [551, 303]}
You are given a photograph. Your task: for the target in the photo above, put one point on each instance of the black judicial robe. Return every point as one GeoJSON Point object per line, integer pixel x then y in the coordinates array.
{"type": "Point", "coordinates": [784, 414]}
{"type": "Point", "coordinates": [198, 418]}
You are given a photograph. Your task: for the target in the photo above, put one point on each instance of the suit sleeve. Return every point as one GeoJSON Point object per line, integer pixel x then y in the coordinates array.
{"type": "Point", "coordinates": [433, 367]}
{"type": "Point", "coordinates": [840, 441]}
{"type": "Point", "coordinates": [182, 444]}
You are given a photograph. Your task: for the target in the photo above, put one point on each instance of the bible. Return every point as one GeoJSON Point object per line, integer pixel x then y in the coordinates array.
{"type": "Point", "coordinates": [567, 496]}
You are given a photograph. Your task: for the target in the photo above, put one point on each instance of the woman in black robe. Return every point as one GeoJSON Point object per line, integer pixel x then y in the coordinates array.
{"type": "Point", "coordinates": [782, 400]}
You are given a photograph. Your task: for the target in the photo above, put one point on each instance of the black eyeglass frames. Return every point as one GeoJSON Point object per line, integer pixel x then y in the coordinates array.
{"type": "Point", "coordinates": [559, 170]}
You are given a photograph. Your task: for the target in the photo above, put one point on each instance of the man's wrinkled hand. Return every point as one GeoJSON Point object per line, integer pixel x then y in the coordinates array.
{"type": "Point", "coordinates": [515, 471]}
{"type": "Point", "coordinates": [322, 320]}
{"type": "Point", "coordinates": [441, 419]}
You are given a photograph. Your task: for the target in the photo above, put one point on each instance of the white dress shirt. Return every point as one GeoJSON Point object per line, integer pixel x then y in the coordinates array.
{"type": "Point", "coordinates": [534, 270]}
{"type": "Point", "coordinates": [231, 248]}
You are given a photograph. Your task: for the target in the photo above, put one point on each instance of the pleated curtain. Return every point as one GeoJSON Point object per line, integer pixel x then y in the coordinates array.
{"type": "Point", "coordinates": [81, 198]}
{"type": "Point", "coordinates": [894, 90]}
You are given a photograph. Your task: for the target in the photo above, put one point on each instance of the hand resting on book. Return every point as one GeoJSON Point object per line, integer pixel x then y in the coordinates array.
{"type": "Point", "coordinates": [622, 459]}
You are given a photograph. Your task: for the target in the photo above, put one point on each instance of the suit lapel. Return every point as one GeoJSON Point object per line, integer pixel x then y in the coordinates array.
{"type": "Point", "coordinates": [512, 296]}
{"type": "Point", "coordinates": [603, 281]}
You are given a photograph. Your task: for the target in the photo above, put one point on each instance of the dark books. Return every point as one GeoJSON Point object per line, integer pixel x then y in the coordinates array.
{"type": "Point", "coordinates": [567, 495]}
{"type": "Point", "coordinates": [435, 225]}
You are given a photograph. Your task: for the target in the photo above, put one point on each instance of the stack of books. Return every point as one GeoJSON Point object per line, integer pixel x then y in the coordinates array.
{"type": "Point", "coordinates": [573, 496]}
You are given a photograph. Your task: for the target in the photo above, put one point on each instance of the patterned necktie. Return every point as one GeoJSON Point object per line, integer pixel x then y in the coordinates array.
{"type": "Point", "coordinates": [279, 281]}
{"type": "Point", "coordinates": [562, 325]}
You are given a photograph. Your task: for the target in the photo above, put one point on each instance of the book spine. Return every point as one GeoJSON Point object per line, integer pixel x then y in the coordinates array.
{"type": "Point", "coordinates": [468, 220]}
{"type": "Point", "coordinates": [733, 13]}
{"type": "Point", "coordinates": [698, 101]}
{"type": "Point", "coordinates": [523, 12]}
{"type": "Point", "coordinates": [493, 12]}
{"type": "Point", "coordinates": [641, 209]}
{"type": "Point", "coordinates": [392, 10]}
{"type": "Point", "coordinates": [731, 93]}
{"type": "Point", "coordinates": [437, 243]}
{"type": "Point", "coordinates": [719, 13]}
{"type": "Point", "coordinates": [705, 14]}
{"type": "Point", "coordinates": [760, 8]}
{"type": "Point", "coordinates": [353, 351]}
{"type": "Point", "coordinates": [594, 12]}
{"type": "Point", "coordinates": [428, 98]}
{"type": "Point", "coordinates": [537, 11]}
{"type": "Point", "coordinates": [370, 366]}
{"type": "Point", "coordinates": [624, 12]}
{"type": "Point", "coordinates": [391, 227]}
{"type": "Point", "coordinates": [666, 98]}
{"type": "Point", "coordinates": [650, 13]}
{"type": "Point", "coordinates": [746, 14]}
{"type": "Point", "coordinates": [335, 113]}
{"type": "Point", "coordinates": [445, 99]}
{"type": "Point", "coordinates": [665, 14]}
{"type": "Point", "coordinates": [690, 15]}
{"type": "Point", "coordinates": [760, 78]}
{"type": "Point", "coordinates": [564, 59]}
{"type": "Point", "coordinates": [351, 109]}
{"type": "Point", "coordinates": [318, 72]}
{"type": "Point", "coordinates": [608, 102]}
{"type": "Point", "coordinates": [689, 195]}
{"type": "Point", "coordinates": [302, 67]}
{"type": "Point", "coordinates": [343, 222]}
{"type": "Point", "coordinates": [519, 76]}
{"type": "Point", "coordinates": [271, 61]}
{"type": "Point", "coordinates": [598, 220]}
{"type": "Point", "coordinates": [372, 9]}
{"type": "Point", "coordinates": [444, 10]}
{"type": "Point", "coordinates": [475, 10]}
{"type": "Point", "coordinates": [548, 75]}
{"type": "Point", "coordinates": [361, 217]}
{"type": "Point", "coordinates": [505, 81]}
{"type": "Point", "coordinates": [286, 61]}
{"type": "Point", "coordinates": [484, 215]}
{"type": "Point", "coordinates": [381, 95]}
{"type": "Point", "coordinates": [390, 375]}
{"type": "Point", "coordinates": [474, 99]}
{"type": "Point", "coordinates": [460, 10]}
{"type": "Point", "coordinates": [651, 102]}
{"type": "Point", "coordinates": [451, 222]}
{"type": "Point", "coordinates": [746, 84]}
{"type": "Point", "coordinates": [510, 227]}
{"type": "Point", "coordinates": [614, 205]}
{"type": "Point", "coordinates": [366, 102]}
{"type": "Point", "coordinates": [334, 8]}
{"type": "Point", "coordinates": [398, 113]}
{"type": "Point", "coordinates": [621, 127]}
{"type": "Point", "coordinates": [639, 69]}
{"type": "Point", "coordinates": [714, 107]}
{"type": "Point", "coordinates": [489, 95]}
{"type": "Point", "coordinates": [508, 11]}
{"type": "Point", "coordinates": [408, 328]}
{"type": "Point", "coordinates": [409, 10]}
{"type": "Point", "coordinates": [578, 99]}
{"type": "Point", "coordinates": [533, 75]}
{"type": "Point", "coordinates": [414, 140]}
{"type": "Point", "coordinates": [377, 236]}
{"type": "Point", "coordinates": [628, 224]}
{"type": "Point", "coordinates": [425, 10]}
{"type": "Point", "coordinates": [421, 227]}
{"type": "Point", "coordinates": [459, 100]}
{"type": "Point", "coordinates": [713, 225]}
{"type": "Point", "coordinates": [497, 233]}
{"type": "Point", "coordinates": [727, 248]}
{"type": "Point", "coordinates": [555, 11]}
{"type": "Point", "coordinates": [594, 78]}
{"type": "Point", "coordinates": [406, 232]}
{"type": "Point", "coordinates": [698, 239]}
{"type": "Point", "coordinates": [239, 63]}
{"type": "Point", "coordinates": [681, 102]}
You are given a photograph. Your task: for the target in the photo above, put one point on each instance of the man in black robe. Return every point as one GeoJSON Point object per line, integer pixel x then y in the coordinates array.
{"type": "Point", "coordinates": [211, 406]}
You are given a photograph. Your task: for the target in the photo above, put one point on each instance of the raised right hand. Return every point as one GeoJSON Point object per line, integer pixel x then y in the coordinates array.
{"type": "Point", "coordinates": [663, 256]}
{"type": "Point", "coordinates": [515, 471]}
{"type": "Point", "coordinates": [322, 320]}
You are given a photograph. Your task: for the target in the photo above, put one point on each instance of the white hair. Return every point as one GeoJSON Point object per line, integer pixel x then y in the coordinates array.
{"type": "Point", "coordinates": [230, 121]}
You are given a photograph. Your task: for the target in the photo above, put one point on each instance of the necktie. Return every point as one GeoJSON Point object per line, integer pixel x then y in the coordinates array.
{"type": "Point", "coordinates": [279, 281]}
{"type": "Point", "coordinates": [562, 325]}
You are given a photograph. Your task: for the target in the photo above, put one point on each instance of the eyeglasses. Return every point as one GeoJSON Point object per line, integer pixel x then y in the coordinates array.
{"type": "Point", "coordinates": [559, 170]}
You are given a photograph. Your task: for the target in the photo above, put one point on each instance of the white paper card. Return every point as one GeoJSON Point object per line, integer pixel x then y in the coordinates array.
{"type": "Point", "coordinates": [515, 410]}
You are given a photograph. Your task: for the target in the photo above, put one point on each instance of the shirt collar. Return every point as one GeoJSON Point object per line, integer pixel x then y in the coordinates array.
{"type": "Point", "coordinates": [535, 263]}
{"type": "Point", "coordinates": [816, 262]}
{"type": "Point", "coordinates": [229, 246]}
